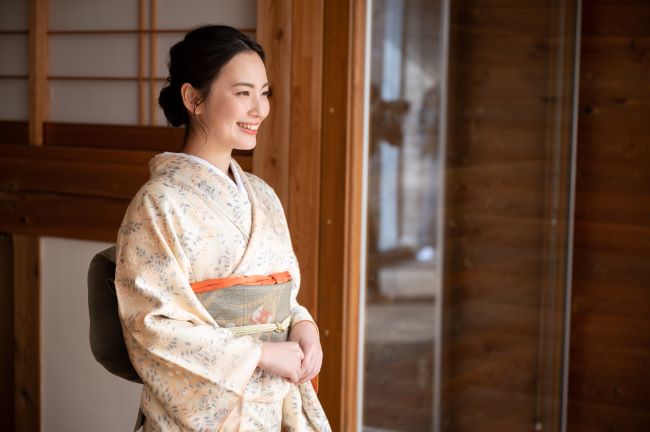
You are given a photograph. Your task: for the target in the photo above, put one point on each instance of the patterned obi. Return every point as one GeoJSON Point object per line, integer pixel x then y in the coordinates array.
{"type": "Point", "coordinates": [259, 306]}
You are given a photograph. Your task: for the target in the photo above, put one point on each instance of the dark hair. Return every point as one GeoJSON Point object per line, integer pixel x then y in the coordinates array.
{"type": "Point", "coordinates": [198, 59]}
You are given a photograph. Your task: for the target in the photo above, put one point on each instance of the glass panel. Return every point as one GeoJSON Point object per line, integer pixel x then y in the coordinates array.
{"type": "Point", "coordinates": [106, 102]}
{"type": "Point", "coordinates": [469, 199]}
{"type": "Point", "coordinates": [402, 278]}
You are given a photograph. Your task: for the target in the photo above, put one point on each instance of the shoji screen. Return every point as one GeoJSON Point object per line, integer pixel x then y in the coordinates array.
{"type": "Point", "coordinates": [107, 61]}
{"type": "Point", "coordinates": [14, 66]}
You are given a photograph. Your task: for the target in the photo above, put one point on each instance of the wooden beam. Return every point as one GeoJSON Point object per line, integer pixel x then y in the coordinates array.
{"type": "Point", "coordinates": [7, 403]}
{"type": "Point", "coordinates": [14, 132]}
{"type": "Point", "coordinates": [27, 321]}
{"type": "Point", "coordinates": [274, 33]}
{"type": "Point", "coordinates": [59, 215]}
{"type": "Point", "coordinates": [38, 95]}
{"type": "Point", "coordinates": [114, 136]}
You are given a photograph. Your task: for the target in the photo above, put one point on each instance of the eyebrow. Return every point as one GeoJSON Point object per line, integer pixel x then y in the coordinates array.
{"type": "Point", "coordinates": [248, 84]}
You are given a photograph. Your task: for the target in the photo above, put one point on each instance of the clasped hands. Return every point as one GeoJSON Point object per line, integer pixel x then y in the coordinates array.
{"type": "Point", "coordinates": [299, 359]}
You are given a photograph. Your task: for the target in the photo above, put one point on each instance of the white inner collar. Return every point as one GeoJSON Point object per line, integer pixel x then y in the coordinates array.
{"type": "Point", "coordinates": [238, 181]}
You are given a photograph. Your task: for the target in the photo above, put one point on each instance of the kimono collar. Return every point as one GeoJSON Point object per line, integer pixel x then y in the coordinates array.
{"type": "Point", "coordinates": [159, 165]}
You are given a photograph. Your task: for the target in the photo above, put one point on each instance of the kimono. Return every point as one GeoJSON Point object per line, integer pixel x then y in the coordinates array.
{"type": "Point", "coordinates": [190, 223]}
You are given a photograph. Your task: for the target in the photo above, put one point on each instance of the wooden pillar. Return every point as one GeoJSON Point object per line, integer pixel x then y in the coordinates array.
{"type": "Point", "coordinates": [6, 333]}
{"type": "Point", "coordinates": [27, 319]}
{"type": "Point", "coordinates": [38, 93]}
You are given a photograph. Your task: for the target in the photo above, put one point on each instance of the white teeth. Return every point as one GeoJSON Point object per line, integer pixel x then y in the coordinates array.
{"type": "Point", "coordinates": [249, 126]}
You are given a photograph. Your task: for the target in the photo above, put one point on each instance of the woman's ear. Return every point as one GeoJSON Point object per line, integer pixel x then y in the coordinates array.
{"type": "Point", "coordinates": [190, 98]}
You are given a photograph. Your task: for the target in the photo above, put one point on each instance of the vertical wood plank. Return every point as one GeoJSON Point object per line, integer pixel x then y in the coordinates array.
{"type": "Point", "coordinates": [353, 216]}
{"type": "Point", "coordinates": [38, 97]}
{"type": "Point", "coordinates": [305, 143]}
{"type": "Point", "coordinates": [142, 40]}
{"type": "Point", "coordinates": [609, 375]}
{"type": "Point", "coordinates": [153, 48]}
{"type": "Point", "coordinates": [333, 200]}
{"type": "Point", "coordinates": [27, 319]}
{"type": "Point", "coordinates": [6, 333]}
{"type": "Point", "coordinates": [271, 156]}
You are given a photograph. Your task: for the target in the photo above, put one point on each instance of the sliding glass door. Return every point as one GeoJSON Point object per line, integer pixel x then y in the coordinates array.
{"type": "Point", "coordinates": [469, 197]}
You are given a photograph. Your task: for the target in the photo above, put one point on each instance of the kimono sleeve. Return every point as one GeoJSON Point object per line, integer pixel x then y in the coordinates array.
{"type": "Point", "coordinates": [195, 370]}
{"type": "Point", "coordinates": [298, 312]}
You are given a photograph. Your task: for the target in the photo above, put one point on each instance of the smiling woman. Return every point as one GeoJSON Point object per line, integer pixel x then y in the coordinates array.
{"type": "Point", "coordinates": [232, 356]}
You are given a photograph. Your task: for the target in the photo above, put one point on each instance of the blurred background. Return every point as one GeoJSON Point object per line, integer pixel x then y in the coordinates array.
{"type": "Point", "coordinates": [467, 185]}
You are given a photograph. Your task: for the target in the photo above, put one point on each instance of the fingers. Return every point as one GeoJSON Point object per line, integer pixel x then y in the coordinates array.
{"type": "Point", "coordinates": [311, 366]}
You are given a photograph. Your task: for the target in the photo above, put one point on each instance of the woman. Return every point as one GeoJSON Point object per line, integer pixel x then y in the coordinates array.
{"type": "Point", "coordinates": [199, 222]}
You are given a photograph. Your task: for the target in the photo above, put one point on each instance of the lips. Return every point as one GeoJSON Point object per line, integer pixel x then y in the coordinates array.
{"type": "Point", "coordinates": [249, 128]}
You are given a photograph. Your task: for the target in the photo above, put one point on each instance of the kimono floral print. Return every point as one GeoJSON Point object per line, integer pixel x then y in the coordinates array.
{"type": "Point", "coordinates": [189, 223]}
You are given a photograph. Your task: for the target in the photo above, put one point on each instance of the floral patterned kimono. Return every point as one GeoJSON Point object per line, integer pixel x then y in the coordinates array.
{"type": "Point", "coordinates": [190, 223]}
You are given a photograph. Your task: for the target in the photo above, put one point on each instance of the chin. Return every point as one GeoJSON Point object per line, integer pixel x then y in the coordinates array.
{"type": "Point", "coordinates": [246, 145]}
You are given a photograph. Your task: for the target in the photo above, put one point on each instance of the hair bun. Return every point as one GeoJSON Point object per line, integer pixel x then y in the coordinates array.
{"type": "Point", "coordinates": [171, 101]}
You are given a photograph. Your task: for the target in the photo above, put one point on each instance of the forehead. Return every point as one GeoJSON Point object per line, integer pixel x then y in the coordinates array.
{"type": "Point", "coordinates": [243, 67]}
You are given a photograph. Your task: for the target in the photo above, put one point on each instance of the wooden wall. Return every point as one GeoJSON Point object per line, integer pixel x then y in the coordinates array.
{"type": "Point", "coordinates": [609, 386]}
{"type": "Point", "coordinates": [502, 146]}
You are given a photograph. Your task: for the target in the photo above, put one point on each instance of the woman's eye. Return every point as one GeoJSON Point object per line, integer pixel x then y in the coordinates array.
{"type": "Point", "coordinates": [268, 93]}
{"type": "Point", "coordinates": [244, 92]}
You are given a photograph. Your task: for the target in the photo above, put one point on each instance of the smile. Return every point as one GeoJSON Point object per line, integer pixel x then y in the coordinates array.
{"type": "Point", "coordinates": [249, 128]}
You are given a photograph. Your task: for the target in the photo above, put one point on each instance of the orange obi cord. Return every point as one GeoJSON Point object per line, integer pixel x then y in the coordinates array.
{"type": "Point", "coordinates": [219, 283]}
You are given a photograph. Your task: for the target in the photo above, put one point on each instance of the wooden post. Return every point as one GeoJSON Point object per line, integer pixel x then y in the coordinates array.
{"type": "Point", "coordinates": [38, 93]}
{"type": "Point", "coordinates": [27, 319]}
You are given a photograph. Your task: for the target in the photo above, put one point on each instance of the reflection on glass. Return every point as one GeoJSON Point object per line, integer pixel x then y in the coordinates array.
{"type": "Point", "coordinates": [506, 166]}
{"type": "Point", "coordinates": [402, 196]}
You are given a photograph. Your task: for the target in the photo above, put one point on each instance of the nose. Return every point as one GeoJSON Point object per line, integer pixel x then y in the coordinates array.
{"type": "Point", "coordinates": [260, 107]}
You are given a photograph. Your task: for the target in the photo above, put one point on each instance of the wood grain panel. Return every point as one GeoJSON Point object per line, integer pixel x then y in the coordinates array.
{"type": "Point", "coordinates": [70, 216]}
{"type": "Point", "coordinates": [274, 32]}
{"type": "Point", "coordinates": [610, 317]}
{"type": "Point", "coordinates": [7, 406]}
{"type": "Point", "coordinates": [27, 322]}
{"type": "Point", "coordinates": [504, 137]}
{"type": "Point", "coordinates": [114, 136]}
{"type": "Point", "coordinates": [331, 276]}
{"type": "Point", "coordinates": [304, 176]}
{"type": "Point", "coordinates": [14, 132]}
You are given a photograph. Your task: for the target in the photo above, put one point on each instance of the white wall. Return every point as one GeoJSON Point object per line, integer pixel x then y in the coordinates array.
{"type": "Point", "coordinates": [78, 393]}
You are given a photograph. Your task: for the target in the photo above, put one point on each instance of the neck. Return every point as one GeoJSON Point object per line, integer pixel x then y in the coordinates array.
{"type": "Point", "coordinates": [211, 152]}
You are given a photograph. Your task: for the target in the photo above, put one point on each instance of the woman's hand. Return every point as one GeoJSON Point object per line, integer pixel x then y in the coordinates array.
{"type": "Point", "coordinates": [282, 359]}
{"type": "Point", "coordinates": [305, 333]}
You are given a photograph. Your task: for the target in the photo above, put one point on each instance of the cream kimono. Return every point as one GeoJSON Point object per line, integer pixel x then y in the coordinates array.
{"type": "Point", "coordinates": [190, 223]}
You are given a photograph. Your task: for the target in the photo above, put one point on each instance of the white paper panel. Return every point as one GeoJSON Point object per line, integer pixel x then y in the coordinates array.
{"type": "Point", "coordinates": [186, 14]}
{"type": "Point", "coordinates": [78, 393]}
{"type": "Point", "coordinates": [109, 102]}
{"type": "Point", "coordinates": [160, 119]}
{"type": "Point", "coordinates": [13, 15]}
{"type": "Point", "coordinates": [93, 15]}
{"type": "Point", "coordinates": [14, 52]}
{"type": "Point", "coordinates": [94, 55]}
{"type": "Point", "coordinates": [14, 99]}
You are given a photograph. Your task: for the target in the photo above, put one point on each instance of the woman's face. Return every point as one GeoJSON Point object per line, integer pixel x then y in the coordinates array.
{"type": "Point", "coordinates": [237, 103]}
